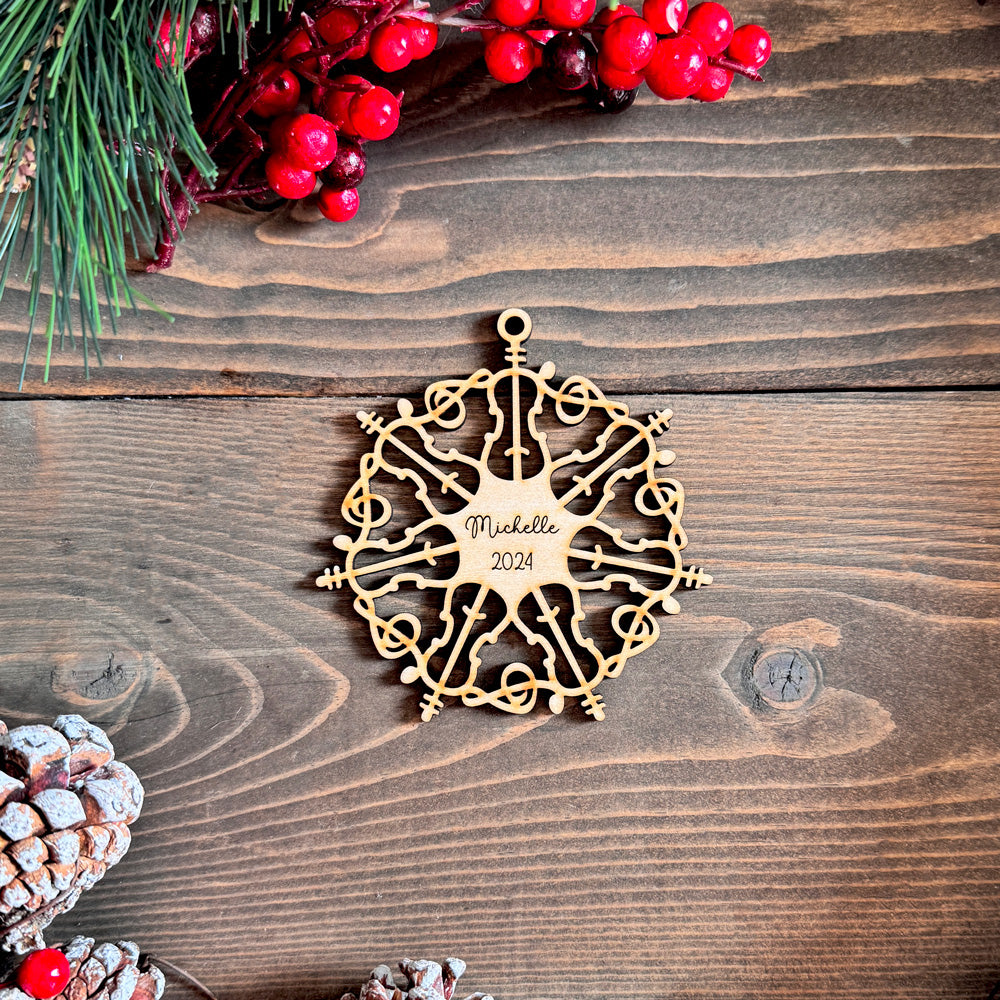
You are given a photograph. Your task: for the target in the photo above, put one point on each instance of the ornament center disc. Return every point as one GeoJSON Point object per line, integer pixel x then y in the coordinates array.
{"type": "Point", "coordinates": [514, 536]}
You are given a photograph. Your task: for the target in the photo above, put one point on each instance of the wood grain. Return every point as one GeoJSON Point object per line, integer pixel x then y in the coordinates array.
{"type": "Point", "coordinates": [302, 825]}
{"type": "Point", "coordinates": [834, 227]}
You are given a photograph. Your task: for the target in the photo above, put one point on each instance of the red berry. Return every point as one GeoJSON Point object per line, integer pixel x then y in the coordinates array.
{"type": "Point", "coordinates": [513, 13]}
{"type": "Point", "coordinates": [389, 47]}
{"type": "Point", "coordinates": [510, 56]}
{"type": "Point", "coordinates": [716, 85]}
{"type": "Point", "coordinates": [423, 36]}
{"type": "Point", "coordinates": [167, 36]}
{"type": "Point", "coordinates": [665, 16]}
{"type": "Point", "coordinates": [628, 44]}
{"type": "Point", "coordinates": [750, 45]}
{"type": "Point", "coordinates": [712, 25]}
{"type": "Point", "coordinates": [43, 974]}
{"type": "Point", "coordinates": [608, 14]}
{"type": "Point", "coordinates": [374, 114]}
{"type": "Point", "coordinates": [336, 104]}
{"type": "Point", "coordinates": [616, 79]}
{"type": "Point", "coordinates": [299, 44]}
{"type": "Point", "coordinates": [678, 67]}
{"type": "Point", "coordinates": [287, 180]}
{"type": "Point", "coordinates": [339, 206]}
{"type": "Point", "coordinates": [337, 26]}
{"type": "Point", "coordinates": [568, 13]}
{"type": "Point", "coordinates": [280, 96]}
{"type": "Point", "coordinates": [307, 142]}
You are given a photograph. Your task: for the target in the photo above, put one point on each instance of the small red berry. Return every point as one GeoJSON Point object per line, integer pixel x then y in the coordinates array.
{"type": "Point", "coordinates": [374, 114]}
{"type": "Point", "coordinates": [339, 24]}
{"type": "Point", "coordinates": [43, 974]}
{"type": "Point", "coordinates": [389, 47]}
{"type": "Point", "coordinates": [608, 14]}
{"type": "Point", "coordinates": [280, 96]}
{"type": "Point", "coordinates": [750, 45]}
{"type": "Point", "coordinates": [339, 206]}
{"type": "Point", "coordinates": [513, 13]}
{"type": "Point", "coordinates": [298, 45]}
{"type": "Point", "coordinates": [628, 44]}
{"type": "Point", "coordinates": [307, 142]}
{"type": "Point", "coordinates": [617, 79]}
{"type": "Point", "coordinates": [167, 36]}
{"type": "Point", "coordinates": [423, 36]}
{"type": "Point", "coordinates": [568, 13]}
{"type": "Point", "coordinates": [711, 24]}
{"type": "Point", "coordinates": [336, 103]}
{"type": "Point", "coordinates": [665, 16]}
{"type": "Point", "coordinates": [510, 56]}
{"type": "Point", "coordinates": [678, 67]}
{"type": "Point", "coordinates": [716, 85]}
{"type": "Point", "coordinates": [287, 180]}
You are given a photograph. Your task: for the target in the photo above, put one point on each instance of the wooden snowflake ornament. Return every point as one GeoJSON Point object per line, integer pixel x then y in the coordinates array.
{"type": "Point", "coordinates": [509, 518]}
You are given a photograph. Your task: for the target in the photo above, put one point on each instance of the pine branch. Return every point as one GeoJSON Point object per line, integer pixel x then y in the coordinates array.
{"type": "Point", "coordinates": [95, 123]}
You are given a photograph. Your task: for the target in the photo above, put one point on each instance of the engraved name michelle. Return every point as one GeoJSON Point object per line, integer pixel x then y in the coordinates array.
{"type": "Point", "coordinates": [477, 524]}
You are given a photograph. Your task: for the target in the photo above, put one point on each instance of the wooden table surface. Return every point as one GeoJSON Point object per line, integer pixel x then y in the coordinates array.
{"type": "Point", "coordinates": [807, 274]}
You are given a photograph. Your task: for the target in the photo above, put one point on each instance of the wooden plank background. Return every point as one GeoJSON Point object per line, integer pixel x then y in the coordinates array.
{"type": "Point", "coordinates": [807, 275]}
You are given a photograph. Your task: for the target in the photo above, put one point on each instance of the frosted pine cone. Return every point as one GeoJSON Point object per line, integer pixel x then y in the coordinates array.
{"type": "Point", "coordinates": [422, 980]}
{"type": "Point", "coordinates": [105, 972]}
{"type": "Point", "coordinates": [65, 806]}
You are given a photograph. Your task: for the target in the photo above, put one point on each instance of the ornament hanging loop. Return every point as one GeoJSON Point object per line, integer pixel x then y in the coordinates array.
{"type": "Point", "coordinates": [514, 325]}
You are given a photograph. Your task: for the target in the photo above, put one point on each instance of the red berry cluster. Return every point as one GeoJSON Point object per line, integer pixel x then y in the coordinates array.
{"type": "Point", "coordinates": [325, 144]}
{"type": "Point", "coordinates": [677, 52]}
{"type": "Point", "coordinates": [43, 974]}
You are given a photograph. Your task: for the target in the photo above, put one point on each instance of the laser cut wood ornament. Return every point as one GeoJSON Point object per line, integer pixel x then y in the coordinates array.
{"type": "Point", "coordinates": [515, 536]}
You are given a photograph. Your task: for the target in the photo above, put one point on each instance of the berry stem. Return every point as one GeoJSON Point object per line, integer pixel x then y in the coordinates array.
{"type": "Point", "coordinates": [736, 67]}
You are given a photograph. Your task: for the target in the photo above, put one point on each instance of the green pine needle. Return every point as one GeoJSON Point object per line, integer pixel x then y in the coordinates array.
{"type": "Point", "coordinates": [91, 129]}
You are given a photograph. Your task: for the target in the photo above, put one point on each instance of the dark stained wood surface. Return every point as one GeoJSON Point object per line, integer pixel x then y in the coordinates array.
{"type": "Point", "coordinates": [302, 824]}
{"type": "Point", "coordinates": [808, 275]}
{"type": "Point", "coordinates": [836, 226]}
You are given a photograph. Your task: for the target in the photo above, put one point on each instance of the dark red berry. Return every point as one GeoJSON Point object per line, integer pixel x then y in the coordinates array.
{"type": "Point", "coordinates": [617, 79]}
{"type": "Point", "coordinates": [510, 56]}
{"type": "Point", "coordinates": [569, 60]}
{"type": "Point", "coordinates": [513, 13]}
{"type": "Point", "coordinates": [423, 36]}
{"type": "Point", "coordinates": [750, 45]}
{"type": "Point", "coordinates": [610, 100]}
{"type": "Point", "coordinates": [287, 180]}
{"type": "Point", "coordinates": [279, 97]}
{"type": "Point", "coordinates": [608, 14]}
{"type": "Point", "coordinates": [205, 27]}
{"type": "Point", "coordinates": [337, 26]}
{"type": "Point", "coordinates": [716, 85]}
{"type": "Point", "coordinates": [389, 47]}
{"type": "Point", "coordinates": [308, 142]}
{"type": "Point", "coordinates": [347, 169]}
{"type": "Point", "coordinates": [678, 67]}
{"type": "Point", "coordinates": [338, 206]}
{"type": "Point", "coordinates": [628, 44]}
{"type": "Point", "coordinates": [665, 16]}
{"type": "Point", "coordinates": [711, 24]}
{"type": "Point", "coordinates": [374, 114]}
{"type": "Point", "coordinates": [568, 13]}
{"type": "Point", "coordinates": [44, 973]}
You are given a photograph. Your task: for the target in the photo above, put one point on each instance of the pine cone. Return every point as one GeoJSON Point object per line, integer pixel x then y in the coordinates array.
{"type": "Point", "coordinates": [65, 806]}
{"type": "Point", "coordinates": [106, 972]}
{"type": "Point", "coordinates": [423, 980]}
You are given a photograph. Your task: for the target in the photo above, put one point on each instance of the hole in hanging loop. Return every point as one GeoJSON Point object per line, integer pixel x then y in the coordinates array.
{"type": "Point", "coordinates": [514, 325]}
